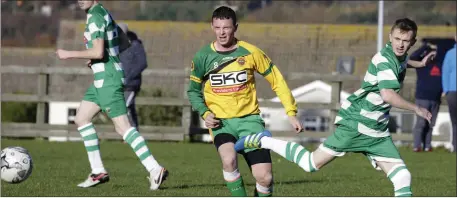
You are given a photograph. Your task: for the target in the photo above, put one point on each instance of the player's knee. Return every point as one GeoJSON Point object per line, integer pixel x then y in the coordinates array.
{"type": "Point", "coordinates": [322, 156]}
{"type": "Point", "coordinates": [121, 124]}
{"type": "Point", "coordinates": [81, 121]}
{"type": "Point", "coordinates": [228, 162]}
{"type": "Point", "coordinates": [264, 177]}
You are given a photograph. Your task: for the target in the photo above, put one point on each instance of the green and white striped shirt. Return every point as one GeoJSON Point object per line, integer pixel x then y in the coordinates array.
{"type": "Point", "coordinates": [365, 111]}
{"type": "Point", "coordinates": [100, 25]}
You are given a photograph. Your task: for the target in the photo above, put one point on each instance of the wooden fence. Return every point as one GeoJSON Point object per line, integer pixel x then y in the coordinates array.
{"type": "Point", "coordinates": [189, 126]}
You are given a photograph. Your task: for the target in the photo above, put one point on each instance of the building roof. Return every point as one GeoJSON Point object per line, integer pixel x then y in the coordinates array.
{"type": "Point", "coordinates": [315, 91]}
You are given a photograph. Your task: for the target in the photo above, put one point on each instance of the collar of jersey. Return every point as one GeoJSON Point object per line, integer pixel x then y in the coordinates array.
{"type": "Point", "coordinates": [214, 48]}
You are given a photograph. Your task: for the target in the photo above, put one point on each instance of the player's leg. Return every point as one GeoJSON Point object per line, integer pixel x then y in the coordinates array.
{"type": "Point", "coordinates": [131, 109]}
{"type": "Point", "coordinates": [451, 98]}
{"type": "Point", "coordinates": [258, 160]}
{"type": "Point", "coordinates": [385, 155]}
{"type": "Point", "coordinates": [224, 140]}
{"type": "Point", "coordinates": [434, 109]}
{"type": "Point", "coordinates": [400, 177]}
{"type": "Point", "coordinates": [113, 104]}
{"type": "Point", "coordinates": [86, 111]}
{"type": "Point", "coordinates": [260, 164]}
{"type": "Point", "coordinates": [421, 127]}
{"type": "Point", "coordinates": [334, 146]}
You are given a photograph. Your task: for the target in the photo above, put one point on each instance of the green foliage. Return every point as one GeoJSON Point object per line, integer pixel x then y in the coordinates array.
{"type": "Point", "coordinates": [18, 112]}
{"type": "Point", "coordinates": [158, 115]}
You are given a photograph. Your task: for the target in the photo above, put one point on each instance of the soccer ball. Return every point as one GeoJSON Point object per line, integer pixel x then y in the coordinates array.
{"type": "Point", "coordinates": [16, 164]}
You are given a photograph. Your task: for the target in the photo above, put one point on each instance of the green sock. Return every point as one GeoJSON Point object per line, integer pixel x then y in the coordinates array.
{"type": "Point", "coordinates": [260, 194]}
{"type": "Point", "coordinates": [401, 179]}
{"type": "Point", "coordinates": [404, 192]}
{"type": "Point", "coordinates": [261, 191]}
{"type": "Point", "coordinates": [236, 188]}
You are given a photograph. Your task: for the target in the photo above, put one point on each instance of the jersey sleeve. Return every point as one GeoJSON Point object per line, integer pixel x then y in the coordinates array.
{"type": "Point", "coordinates": [265, 67]}
{"type": "Point", "coordinates": [96, 26]}
{"type": "Point", "coordinates": [194, 91]}
{"type": "Point", "coordinates": [387, 76]}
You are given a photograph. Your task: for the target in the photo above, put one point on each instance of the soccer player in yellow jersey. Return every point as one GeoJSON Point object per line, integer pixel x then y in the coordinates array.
{"type": "Point", "coordinates": [225, 70]}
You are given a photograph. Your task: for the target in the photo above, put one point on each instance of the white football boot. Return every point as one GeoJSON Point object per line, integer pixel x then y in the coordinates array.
{"type": "Point", "coordinates": [94, 179]}
{"type": "Point", "coordinates": [157, 177]}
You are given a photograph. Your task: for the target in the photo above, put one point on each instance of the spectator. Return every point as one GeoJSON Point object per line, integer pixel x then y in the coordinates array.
{"type": "Point", "coordinates": [428, 93]}
{"type": "Point", "coordinates": [449, 90]}
{"type": "Point", "coordinates": [134, 62]}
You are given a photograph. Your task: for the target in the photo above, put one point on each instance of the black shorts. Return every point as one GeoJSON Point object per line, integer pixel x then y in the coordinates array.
{"type": "Point", "coordinates": [253, 157]}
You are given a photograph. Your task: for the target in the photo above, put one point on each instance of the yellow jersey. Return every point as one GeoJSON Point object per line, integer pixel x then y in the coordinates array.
{"type": "Point", "coordinates": [223, 82]}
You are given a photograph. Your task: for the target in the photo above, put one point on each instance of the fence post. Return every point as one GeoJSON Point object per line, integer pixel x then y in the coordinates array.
{"type": "Point", "coordinates": [335, 100]}
{"type": "Point", "coordinates": [42, 89]}
{"type": "Point", "coordinates": [186, 110]}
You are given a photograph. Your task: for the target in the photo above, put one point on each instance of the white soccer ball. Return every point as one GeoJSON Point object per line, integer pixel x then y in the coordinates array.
{"type": "Point", "coordinates": [16, 164]}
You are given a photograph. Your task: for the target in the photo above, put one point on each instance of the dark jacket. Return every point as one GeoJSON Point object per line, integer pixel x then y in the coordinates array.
{"type": "Point", "coordinates": [428, 84]}
{"type": "Point", "coordinates": [133, 62]}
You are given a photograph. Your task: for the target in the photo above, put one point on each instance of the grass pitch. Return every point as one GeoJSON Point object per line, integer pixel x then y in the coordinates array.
{"type": "Point", "coordinates": [195, 170]}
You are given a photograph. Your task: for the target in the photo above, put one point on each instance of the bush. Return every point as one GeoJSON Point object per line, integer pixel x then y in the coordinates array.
{"type": "Point", "coordinates": [19, 112]}
{"type": "Point", "coordinates": [158, 115]}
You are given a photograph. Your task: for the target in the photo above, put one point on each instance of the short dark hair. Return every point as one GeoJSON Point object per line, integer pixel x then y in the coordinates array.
{"type": "Point", "coordinates": [406, 25]}
{"type": "Point", "coordinates": [224, 12]}
{"type": "Point", "coordinates": [132, 35]}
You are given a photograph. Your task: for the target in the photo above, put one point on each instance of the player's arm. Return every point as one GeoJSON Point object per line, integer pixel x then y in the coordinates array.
{"type": "Point", "coordinates": [423, 62]}
{"type": "Point", "coordinates": [415, 64]}
{"type": "Point", "coordinates": [97, 30]}
{"type": "Point", "coordinates": [92, 53]}
{"type": "Point", "coordinates": [394, 99]}
{"type": "Point", "coordinates": [271, 73]}
{"type": "Point", "coordinates": [388, 82]}
{"type": "Point", "coordinates": [194, 91]}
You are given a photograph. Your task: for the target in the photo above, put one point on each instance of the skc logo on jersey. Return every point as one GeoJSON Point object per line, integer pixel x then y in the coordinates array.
{"type": "Point", "coordinates": [228, 82]}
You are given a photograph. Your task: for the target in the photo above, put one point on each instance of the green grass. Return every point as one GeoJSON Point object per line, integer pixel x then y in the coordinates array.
{"type": "Point", "coordinates": [196, 171]}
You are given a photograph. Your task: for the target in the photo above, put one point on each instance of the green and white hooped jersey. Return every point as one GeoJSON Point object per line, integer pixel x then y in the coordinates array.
{"type": "Point", "coordinates": [365, 111]}
{"type": "Point", "coordinates": [100, 25]}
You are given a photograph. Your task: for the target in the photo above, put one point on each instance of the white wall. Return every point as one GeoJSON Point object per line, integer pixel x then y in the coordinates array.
{"type": "Point", "coordinates": [58, 112]}
{"type": "Point", "coordinates": [58, 115]}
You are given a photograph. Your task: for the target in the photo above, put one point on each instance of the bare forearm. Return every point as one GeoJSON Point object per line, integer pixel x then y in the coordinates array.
{"type": "Point", "coordinates": [415, 64]}
{"type": "Point", "coordinates": [395, 100]}
{"type": "Point", "coordinates": [87, 54]}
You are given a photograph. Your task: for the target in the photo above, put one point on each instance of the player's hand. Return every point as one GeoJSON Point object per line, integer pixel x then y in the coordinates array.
{"type": "Point", "coordinates": [296, 124]}
{"type": "Point", "coordinates": [62, 54]}
{"type": "Point", "coordinates": [424, 113]}
{"type": "Point", "coordinates": [211, 121]}
{"type": "Point", "coordinates": [443, 94]}
{"type": "Point", "coordinates": [89, 63]}
{"type": "Point", "coordinates": [430, 56]}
